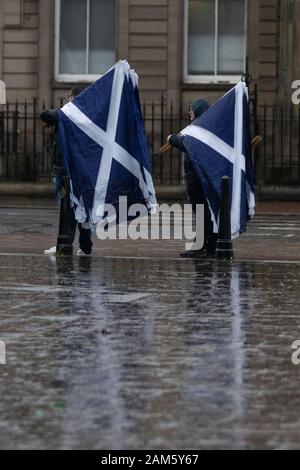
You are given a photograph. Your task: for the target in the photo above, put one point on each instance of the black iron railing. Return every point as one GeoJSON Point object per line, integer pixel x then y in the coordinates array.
{"type": "Point", "coordinates": [26, 146]}
{"type": "Point", "coordinates": [280, 153]}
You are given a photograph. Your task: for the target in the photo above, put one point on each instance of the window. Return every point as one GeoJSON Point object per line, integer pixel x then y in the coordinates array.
{"type": "Point", "coordinates": [84, 38]}
{"type": "Point", "coordinates": [215, 40]}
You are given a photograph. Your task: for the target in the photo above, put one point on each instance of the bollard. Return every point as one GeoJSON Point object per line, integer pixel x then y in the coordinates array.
{"type": "Point", "coordinates": [64, 245]}
{"type": "Point", "coordinates": [224, 244]}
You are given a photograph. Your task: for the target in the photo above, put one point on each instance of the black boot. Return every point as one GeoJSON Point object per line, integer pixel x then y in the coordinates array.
{"type": "Point", "coordinates": [194, 253]}
{"type": "Point", "coordinates": [211, 246]}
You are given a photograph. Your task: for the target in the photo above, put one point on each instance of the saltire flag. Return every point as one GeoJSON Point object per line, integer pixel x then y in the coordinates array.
{"type": "Point", "coordinates": [219, 144]}
{"type": "Point", "coordinates": [105, 148]}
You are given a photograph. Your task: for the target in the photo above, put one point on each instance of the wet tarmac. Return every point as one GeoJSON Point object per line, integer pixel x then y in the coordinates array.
{"type": "Point", "coordinates": [270, 236]}
{"type": "Point", "coordinates": [110, 353]}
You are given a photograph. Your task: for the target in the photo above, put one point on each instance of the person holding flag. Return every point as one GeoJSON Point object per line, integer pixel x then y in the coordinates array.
{"type": "Point", "coordinates": [50, 118]}
{"type": "Point", "coordinates": [104, 153]}
{"type": "Point", "coordinates": [105, 149]}
{"type": "Point", "coordinates": [218, 144]}
{"type": "Point", "coordinates": [194, 188]}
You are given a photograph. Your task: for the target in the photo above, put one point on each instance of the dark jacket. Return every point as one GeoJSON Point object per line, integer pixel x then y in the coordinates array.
{"type": "Point", "coordinates": [49, 117]}
{"type": "Point", "coordinates": [177, 141]}
{"type": "Point", "coordinates": [199, 107]}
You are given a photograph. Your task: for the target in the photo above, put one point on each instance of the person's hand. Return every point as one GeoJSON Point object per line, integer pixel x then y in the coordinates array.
{"type": "Point", "coordinates": [47, 125]}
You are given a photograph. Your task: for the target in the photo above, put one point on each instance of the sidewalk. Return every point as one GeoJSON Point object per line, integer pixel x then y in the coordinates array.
{"type": "Point", "coordinates": [159, 351]}
{"type": "Point", "coordinates": [30, 226]}
{"type": "Point", "coordinates": [164, 191]}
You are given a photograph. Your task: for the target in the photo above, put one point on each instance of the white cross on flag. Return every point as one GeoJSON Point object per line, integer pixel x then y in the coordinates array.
{"type": "Point", "coordinates": [219, 144]}
{"type": "Point", "coordinates": [105, 147]}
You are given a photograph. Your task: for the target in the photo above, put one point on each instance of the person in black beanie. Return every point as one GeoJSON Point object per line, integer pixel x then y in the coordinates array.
{"type": "Point", "coordinates": [194, 188]}
{"type": "Point", "coordinates": [50, 119]}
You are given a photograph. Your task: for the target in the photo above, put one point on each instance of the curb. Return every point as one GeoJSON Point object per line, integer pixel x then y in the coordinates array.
{"type": "Point", "coordinates": [166, 192]}
{"type": "Point", "coordinates": [47, 190]}
{"type": "Point", "coordinates": [33, 190]}
{"type": "Point", "coordinates": [278, 193]}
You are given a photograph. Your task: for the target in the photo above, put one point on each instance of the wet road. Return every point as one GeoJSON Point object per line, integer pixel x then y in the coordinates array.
{"type": "Point", "coordinates": [135, 353]}
{"type": "Point", "coordinates": [270, 237]}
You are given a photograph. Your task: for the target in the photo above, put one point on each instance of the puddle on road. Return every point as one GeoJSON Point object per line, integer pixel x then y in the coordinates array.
{"type": "Point", "coordinates": [116, 353]}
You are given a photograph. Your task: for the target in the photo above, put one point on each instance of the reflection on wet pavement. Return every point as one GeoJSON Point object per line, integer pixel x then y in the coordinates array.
{"type": "Point", "coordinates": [129, 354]}
{"type": "Point", "coordinates": [273, 237]}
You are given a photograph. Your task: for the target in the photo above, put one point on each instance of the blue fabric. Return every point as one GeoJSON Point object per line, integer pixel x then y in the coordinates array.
{"type": "Point", "coordinates": [220, 119]}
{"type": "Point", "coordinates": [83, 155]}
{"type": "Point", "coordinates": [211, 166]}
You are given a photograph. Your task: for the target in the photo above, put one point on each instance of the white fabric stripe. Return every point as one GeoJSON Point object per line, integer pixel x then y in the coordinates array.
{"type": "Point", "coordinates": [107, 154]}
{"type": "Point", "coordinates": [132, 165]}
{"type": "Point", "coordinates": [150, 186]}
{"type": "Point", "coordinates": [239, 160]}
{"type": "Point", "coordinates": [211, 140]}
{"type": "Point", "coordinates": [85, 124]}
{"type": "Point", "coordinates": [234, 155]}
{"type": "Point", "coordinates": [115, 102]}
{"type": "Point", "coordinates": [213, 219]}
{"type": "Point", "coordinates": [239, 119]}
{"type": "Point", "coordinates": [149, 181]}
{"type": "Point", "coordinates": [99, 136]}
{"type": "Point", "coordinates": [250, 199]}
{"type": "Point", "coordinates": [116, 151]}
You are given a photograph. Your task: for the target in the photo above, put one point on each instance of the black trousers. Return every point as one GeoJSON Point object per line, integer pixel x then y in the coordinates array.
{"type": "Point", "coordinates": [85, 235]}
{"type": "Point", "coordinates": [196, 196]}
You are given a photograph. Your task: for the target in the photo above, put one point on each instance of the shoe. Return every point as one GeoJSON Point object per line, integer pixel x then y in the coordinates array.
{"type": "Point", "coordinates": [193, 254]}
{"type": "Point", "coordinates": [211, 247]}
{"type": "Point", "coordinates": [82, 253]}
{"type": "Point", "coordinates": [51, 251]}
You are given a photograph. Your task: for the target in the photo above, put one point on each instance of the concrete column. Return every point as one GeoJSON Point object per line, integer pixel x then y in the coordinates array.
{"type": "Point", "coordinates": [287, 50]}
{"type": "Point", "coordinates": [1, 44]}
{"type": "Point", "coordinates": [175, 52]}
{"type": "Point", "coordinates": [252, 49]}
{"type": "Point", "coordinates": [296, 44]}
{"type": "Point", "coordinates": [122, 29]}
{"type": "Point", "coordinates": [46, 51]}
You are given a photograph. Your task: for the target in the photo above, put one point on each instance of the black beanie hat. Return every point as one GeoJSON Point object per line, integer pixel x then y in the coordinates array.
{"type": "Point", "coordinates": [199, 107]}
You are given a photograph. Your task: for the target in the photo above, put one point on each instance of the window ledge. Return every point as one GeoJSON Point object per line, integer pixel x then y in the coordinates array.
{"type": "Point", "coordinates": [218, 86]}
{"type": "Point", "coordinates": [63, 84]}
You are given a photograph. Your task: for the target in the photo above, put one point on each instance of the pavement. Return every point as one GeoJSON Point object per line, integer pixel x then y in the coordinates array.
{"type": "Point", "coordinates": [30, 226]}
{"type": "Point", "coordinates": [136, 348]}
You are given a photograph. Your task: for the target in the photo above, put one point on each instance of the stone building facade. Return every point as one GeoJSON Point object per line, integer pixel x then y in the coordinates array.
{"type": "Point", "coordinates": [181, 49]}
{"type": "Point", "coordinates": [153, 35]}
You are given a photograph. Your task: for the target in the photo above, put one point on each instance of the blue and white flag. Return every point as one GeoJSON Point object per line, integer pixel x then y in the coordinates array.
{"type": "Point", "coordinates": [219, 144]}
{"type": "Point", "coordinates": [104, 146]}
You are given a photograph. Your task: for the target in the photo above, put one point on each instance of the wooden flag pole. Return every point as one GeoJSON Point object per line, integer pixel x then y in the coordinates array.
{"type": "Point", "coordinates": [257, 140]}
{"type": "Point", "coordinates": [166, 148]}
